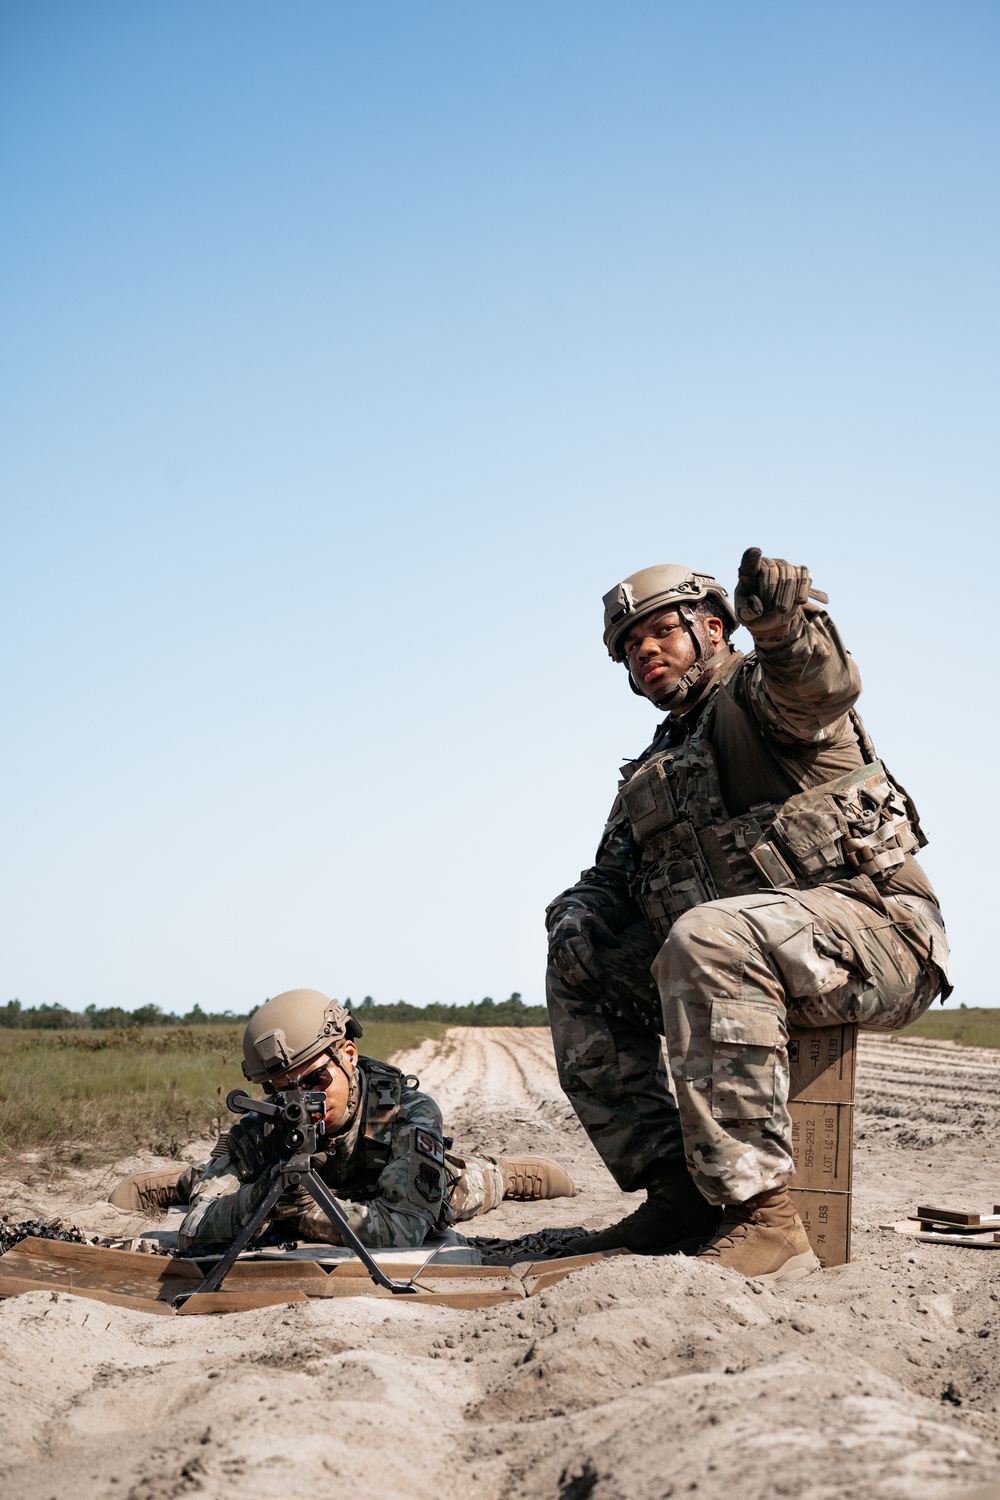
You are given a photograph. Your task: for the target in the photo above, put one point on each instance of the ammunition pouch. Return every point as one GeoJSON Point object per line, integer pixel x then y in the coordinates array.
{"type": "Point", "coordinates": [692, 851]}
{"type": "Point", "coordinates": [859, 823]}
{"type": "Point", "coordinates": [684, 866]}
{"type": "Point", "coordinates": [382, 1098]}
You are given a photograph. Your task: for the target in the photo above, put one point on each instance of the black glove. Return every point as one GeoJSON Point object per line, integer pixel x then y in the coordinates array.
{"type": "Point", "coordinates": [573, 942]}
{"type": "Point", "coordinates": [293, 1203]}
{"type": "Point", "coordinates": [249, 1149]}
{"type": "Point", "coordinates": [768, 588]}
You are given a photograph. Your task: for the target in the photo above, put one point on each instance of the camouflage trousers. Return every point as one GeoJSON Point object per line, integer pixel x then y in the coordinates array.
{"type": "Point", "coordinates": [610, 1062]}
{"type": "Point", "coordinates": [475, 1185]}
{"type": "Point", "coordinates": [732, 976]}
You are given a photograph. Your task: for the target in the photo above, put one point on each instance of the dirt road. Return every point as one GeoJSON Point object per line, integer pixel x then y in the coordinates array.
{"type": "Point", "coordinates": [635, 1380]}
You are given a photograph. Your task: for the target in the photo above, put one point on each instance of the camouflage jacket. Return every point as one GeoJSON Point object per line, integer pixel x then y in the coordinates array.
{"type": "Point", "coordinates": [387, 1167]}
{"type": "Point", "coordinates": [781, 722]}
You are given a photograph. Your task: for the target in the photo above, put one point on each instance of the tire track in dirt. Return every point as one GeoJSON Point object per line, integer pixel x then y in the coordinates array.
{"type": "Point", "coordinates": [489, 1079]}
{"type": "Point", "coordinates": [477, 1072]}
{"type": "Point", "coordinates": [499, 1087]}
{"type": "Point", "coordinates": [918, 1081]}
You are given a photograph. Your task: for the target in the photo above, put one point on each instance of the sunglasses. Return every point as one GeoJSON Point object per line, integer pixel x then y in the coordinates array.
{"type": "Point", "coordinates": [319, 1078]}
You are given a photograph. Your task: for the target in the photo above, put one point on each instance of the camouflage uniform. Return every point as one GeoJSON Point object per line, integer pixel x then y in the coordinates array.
{"type": "Point", "coordinates": [739, 951]}
{"type": "Point", "coordinates": [390, 1167]}
{"type": "Point", "coordinates": [610, 1062]}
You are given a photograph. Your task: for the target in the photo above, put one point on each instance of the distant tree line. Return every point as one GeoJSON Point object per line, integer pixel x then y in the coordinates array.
{"type": "Point", "coordinates": [110, 1018]}
{"type": "Point", "coordinates": [485, 1012]}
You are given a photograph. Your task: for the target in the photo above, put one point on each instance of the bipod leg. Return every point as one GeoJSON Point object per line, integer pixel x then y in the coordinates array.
{"type": "Point", "coordinates": [219, 1271]}
{"type": "Point", "coordinates": [336, 1215]}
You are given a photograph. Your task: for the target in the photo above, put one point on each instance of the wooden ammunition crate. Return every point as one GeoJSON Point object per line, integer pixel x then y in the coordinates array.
{"type": "Point", "coordinates": [822, 1137]}
{"type": "Point", "coordinates": [827, 1218]}
{"type": "Point", "coordinates": [821, 1104]}
{"type": "Point", "coordinates": [822, 1060]}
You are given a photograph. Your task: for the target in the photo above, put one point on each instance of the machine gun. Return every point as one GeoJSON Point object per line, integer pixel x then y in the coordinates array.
{"type": "Point", "coordinates": [296, 1117]}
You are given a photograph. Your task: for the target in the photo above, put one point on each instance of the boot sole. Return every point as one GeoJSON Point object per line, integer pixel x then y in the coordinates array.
{"type": "Point", "coordinates": [794, 1269]}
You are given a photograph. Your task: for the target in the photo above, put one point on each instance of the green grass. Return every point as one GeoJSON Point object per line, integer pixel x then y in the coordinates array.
{"type": "Point", "coordinates": [86, 1097]}
{"type": "Point", "coordinates": [976, 1026]}
{"type": "Point", "coordinates": [90, 1096]}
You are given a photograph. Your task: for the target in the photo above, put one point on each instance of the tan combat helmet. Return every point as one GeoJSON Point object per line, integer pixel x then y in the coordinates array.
{"type": "Point", "coordinates": [291, 1029]}
{"type": "Point", "coordinates": [669, 584]}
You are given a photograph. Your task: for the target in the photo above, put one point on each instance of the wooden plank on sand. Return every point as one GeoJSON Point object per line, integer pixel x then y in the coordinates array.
{"type": "Point", "coordinates": [16, 1286]}
{"type": "Point", "coordinates": [989, 1241]}
{"type": "Point", "coordinates": [957, 1216]}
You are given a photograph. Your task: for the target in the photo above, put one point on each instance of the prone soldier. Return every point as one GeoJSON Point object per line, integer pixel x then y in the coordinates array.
{"type": "Point", "coordinates": [757, 869]}
{"type": "Point", "coordinates": [384, 1153]}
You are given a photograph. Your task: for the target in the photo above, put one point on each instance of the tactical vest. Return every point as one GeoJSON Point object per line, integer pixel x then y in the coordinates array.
{"type": "Point", "coordinates": [692, 851]}
{"type": "Point", "coordinates": [357, 1176]}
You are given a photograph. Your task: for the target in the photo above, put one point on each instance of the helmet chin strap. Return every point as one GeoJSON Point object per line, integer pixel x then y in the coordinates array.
{"type": "Point", "coordinates": [353, 1092]}
{"type": "Point", "coordinates": [683, 689]}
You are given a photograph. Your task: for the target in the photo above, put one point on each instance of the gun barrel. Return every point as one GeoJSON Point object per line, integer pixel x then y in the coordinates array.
{"type": "Point", "coordinates": [240, 1102]}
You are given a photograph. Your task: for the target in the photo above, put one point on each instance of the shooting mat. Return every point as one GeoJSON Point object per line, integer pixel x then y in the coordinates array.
{"type": "Point", "coordinates": [149, 1283]}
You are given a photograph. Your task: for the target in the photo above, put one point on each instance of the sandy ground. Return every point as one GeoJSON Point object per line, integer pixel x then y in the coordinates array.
{"type": "Point", "coordinates": [634, 1380]}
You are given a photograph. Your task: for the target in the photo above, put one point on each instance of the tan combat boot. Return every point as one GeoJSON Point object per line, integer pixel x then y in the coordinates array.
{"type": "Point", "coordinates": [763, 1238]}
{"type": "Point", "coordinates": [529, 1177]}
{"type": "Point", "coordinates": [674, 1218]}
{"type": "Point", "coordinates": [149, 1192]}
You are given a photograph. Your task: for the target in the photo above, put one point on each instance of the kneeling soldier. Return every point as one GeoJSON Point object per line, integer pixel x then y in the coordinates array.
{"type": "Point", "coordinates": [384, 1147]}
{"type": "Point", "coordinates": [757, 870]}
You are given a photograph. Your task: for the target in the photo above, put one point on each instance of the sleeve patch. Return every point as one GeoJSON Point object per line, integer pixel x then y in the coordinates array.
{"type": "Point", "coordinates": [428, 1183]}
{"type": "Point", "coordinates": [430, 1145]}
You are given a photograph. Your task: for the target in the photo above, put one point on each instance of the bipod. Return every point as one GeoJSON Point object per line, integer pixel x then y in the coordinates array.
{"type": "Point", "coordinates": [291, 1114]}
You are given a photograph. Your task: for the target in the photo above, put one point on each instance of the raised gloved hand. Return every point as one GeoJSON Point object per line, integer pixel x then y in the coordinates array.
{"type": "Point", "coordinates": [768, 591]}
{"type": "Point", "coordinates": [573, 942]}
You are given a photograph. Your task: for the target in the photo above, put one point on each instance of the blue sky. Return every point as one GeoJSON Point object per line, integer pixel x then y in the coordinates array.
{"type": "Point", "coordinates": [351, 352]}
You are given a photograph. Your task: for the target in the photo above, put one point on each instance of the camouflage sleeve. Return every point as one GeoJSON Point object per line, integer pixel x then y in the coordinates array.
{"type": "Point", "coordinates": [605, 887]}
{"type": "Point", "coordinates": [220, 1206]}
{"type": "Point", "coordinates": [409, 1198]}
{"type": "Point", "coordinates": [802, 684]}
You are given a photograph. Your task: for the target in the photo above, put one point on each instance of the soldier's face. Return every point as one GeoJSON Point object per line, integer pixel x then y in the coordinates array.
{"type": "Point", "coordinates": [323, 1073]}
{"type": "Point", "coordinates": [659, 649]}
